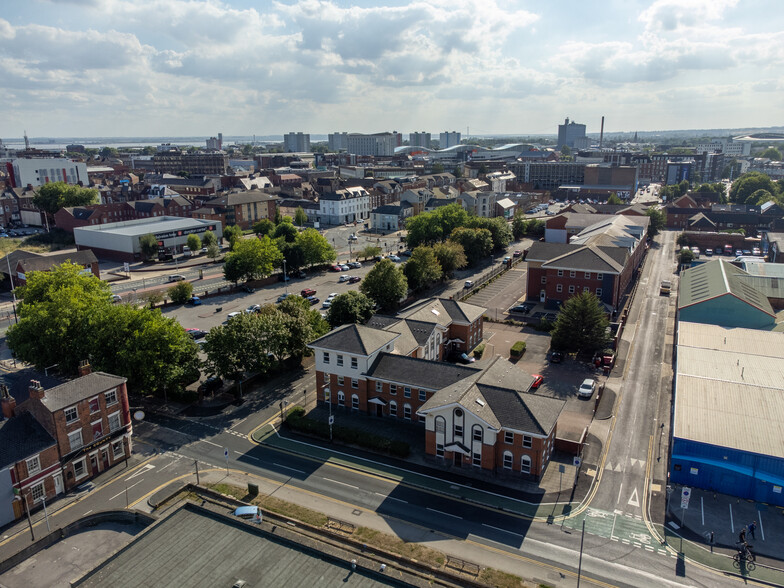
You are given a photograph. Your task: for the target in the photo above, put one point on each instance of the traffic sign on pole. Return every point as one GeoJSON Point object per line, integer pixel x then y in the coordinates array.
{"type": "Point", "coordinates": [685, 495]}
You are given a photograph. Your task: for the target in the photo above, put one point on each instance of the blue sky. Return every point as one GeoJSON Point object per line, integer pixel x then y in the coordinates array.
{"type": "Point", "coordinates": [197, 67]}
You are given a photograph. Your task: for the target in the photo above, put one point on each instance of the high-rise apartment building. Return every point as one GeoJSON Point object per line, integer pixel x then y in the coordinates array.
{"type": "Point", "coordinates": [337, 141]}
{"type": "Point", "coordinates": [569, 132]}
{"type": "Point", "coordinates": [377, 144]}
{"type": "Point", "coordinates": [296, 142]}
{"type": "Point", "coordinates": [215, 143]}
{"type": "Point", "coordinates": [175, 161]}
{"type": "Point", "coordinates": [447, 139]}
{"type": "Point", "coordinates": [37, 172]}
{"type": "Point", "coordinates": [419, 140]}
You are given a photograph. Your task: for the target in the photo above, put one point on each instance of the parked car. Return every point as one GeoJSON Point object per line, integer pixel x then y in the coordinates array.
{"type": "Point", "coordinates": [336, 268]}
{"type": "Point", "coordinates": [506, 259]}
{"type": "Point", "coordinates": [301, 275]}
{"type": "Point", "coordinates": [196, 333]}
{"type": "Point", "coordinates": [354, 279]}
{"type": "Point", "coordinates": [352, 237]}
{"type": "Point", "coordinates": [248, 512]}
{"type": "Point", "coordinates": [586, 388]}
{"type": "Point", "coordinates": [354, 265]}
{"type": "Point", "coordinates": [116, 298]}
{"type": "Point", "coordinates": [344, 268]}
{"type": "Point", "coordinates": [709, 252]}
{"type": "Point", "coordinates": [538, 379]}
{"type": "Point", "coordinates": [469, 284]}
{"type": "Point", "coordinates": [253, 308]}
{"type": "Point", "coordinates": [186, 251]}
{"type": "Point", "coordinates": [211, 385]}
{"type": "Point", "coordinates": [738, 253]}
{"type": "Point", "coordinates": [522, 308]}
{"type": "Point", "coordinates": [343, 278]}
{"type": "Point", "coordinates": [282, 297]}
{"type": "Point", "coordinates": [747, 252]}
{"type": "Point", "coordinates": [327, 303]}
{"type": "Point", "coordinates": [394, 258]}
{"type": "Point", "coordinates": [406, 253]}
{"type": "Point", "coordinates": [331, 296]}
{"type": "Point", "coordinates": [307, 292]}
{"type": "Point", "coordinates": [517, 253]}
{"type": "Point", "coordinates": [312, 300]}
{"type": "Point", "coordinates": [232, 315]}
{"type": "Point", "coordinates": [176, 278]}
{"type": "Point", "coordinates": [194, 301]}
{"type": "Point", "coordinates": [203, 251]}
{"type": "Point", "coordinates": [465, 358]}
{"type": "Point", "coordinates": [556, 357]}
{"type": "Point", "coordinates": [756, 251]}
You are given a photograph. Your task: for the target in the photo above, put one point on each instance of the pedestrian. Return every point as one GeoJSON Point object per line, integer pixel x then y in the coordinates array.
{"type": "Point", "coordinates": [711, 541]}
{"type": "Point", "coordinates": [742, 535]}
{"type": "Point", "coordinates": [752, 528]}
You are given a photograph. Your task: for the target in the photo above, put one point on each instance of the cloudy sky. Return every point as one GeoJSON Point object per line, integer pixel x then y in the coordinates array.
{"type": "Point", "coordinates": [197, 67]}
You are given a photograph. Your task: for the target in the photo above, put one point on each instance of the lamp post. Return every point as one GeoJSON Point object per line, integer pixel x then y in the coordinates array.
{"type": "Point", "coordinates": [13, 290]}
{"type": "Point", "coordinates": [285, 277]}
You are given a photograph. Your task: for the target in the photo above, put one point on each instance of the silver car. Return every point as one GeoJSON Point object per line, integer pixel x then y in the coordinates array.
{"type": "Point", "coordinates": [586, 388]}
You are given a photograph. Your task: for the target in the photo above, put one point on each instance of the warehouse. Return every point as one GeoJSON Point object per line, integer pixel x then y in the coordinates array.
{"type": "Point", "coordinates": [120, 241]}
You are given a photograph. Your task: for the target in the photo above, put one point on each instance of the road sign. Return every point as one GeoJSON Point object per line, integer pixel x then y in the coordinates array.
{"type": "Point", "coordinates": [226, 453]}
{"type": "Point", "coordinates": [331, 420]}
{"type": "Point", "coordinates": [126, 267]}
{"type": "Point", "coordinates": [685, 495]}
{"type": "Point", "coordinates": [577, 461]}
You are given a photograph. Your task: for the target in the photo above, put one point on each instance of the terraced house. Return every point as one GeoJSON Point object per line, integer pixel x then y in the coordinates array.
{"type": "Point", "coordinates": [481, 416]}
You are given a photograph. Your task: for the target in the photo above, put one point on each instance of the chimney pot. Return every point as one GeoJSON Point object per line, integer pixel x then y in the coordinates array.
{"type": "Point", "coordinates": [84, 368]}
{"type": "Point", "coordinates": [36, 390]}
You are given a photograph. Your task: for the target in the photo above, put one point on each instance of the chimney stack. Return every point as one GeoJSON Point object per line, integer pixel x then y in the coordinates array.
{"type": "Point", "coordinates": [601, 134]}
{"type": "Point", "coordinates": [8, 402]}
{"type": "Point", "coordinates": [84, 368]}
{"type": "Point", "coordinates": [36, 390]}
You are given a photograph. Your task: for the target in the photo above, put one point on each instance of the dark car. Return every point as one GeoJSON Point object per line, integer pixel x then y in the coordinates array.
{"type": "Point", "coordinates": [354, 279]}
{"type": "Point", "coordinates": [312, 299]}
{"type": "Point", "coordinates": [211, 385]}
{"type": "Point", "coordinates": [301, 274]}
{"type": "Point", "coordinates": [556, 357]}
{"type": "Point", "coordinates": [196, 333]}
{"type": "Point", "coordinates": [522, 308]}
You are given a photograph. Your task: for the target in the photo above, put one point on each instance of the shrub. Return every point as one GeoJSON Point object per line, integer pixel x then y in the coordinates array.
{"type": "Point", "coordinates": [517, 349]}
{"type": "Point", "coordinates": [545, 326]}
{"type": "Point", "coordinates": [479, 350]}
{"type": "Point", "coordinates": [181, 292]}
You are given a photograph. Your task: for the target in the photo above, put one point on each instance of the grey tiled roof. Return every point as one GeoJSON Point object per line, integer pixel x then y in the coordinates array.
{"type": "Point", "coordinates": [357, 339]}
{"type": "Point", "coordinates": [420, 373]}
{"type": "Point", "coordinates": [47, 262]}
{"type": "Point", "coordinates": [21, 437]}
{"type": "Point", "coordinates": [587, 258]}
{"type": "Point", "coordinates": [420, 330]}
{"type": "Point", "coordinates": [75, 390]}
{"type": "Point", "coordinates": [462, 312]}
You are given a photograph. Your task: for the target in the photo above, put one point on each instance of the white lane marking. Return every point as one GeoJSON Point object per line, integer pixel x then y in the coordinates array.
{"type": "Point", "coordinates": [732, 522]}
{"type": "Point", "coordinates": [251, 457]}
{"type": "Point", "coordinates": [140, 471]}
{"type": "Point", "coordinates": [211, 443]}
{"type": "Point", "coordinates": [342, 483]}
{"type": "Point", "coordinates": [446, 514]}
{"type": "Point", "coordinates": [391, 497]}
{"type": "Point", "coordinates": [633, 499]}
{"type": "Point", "coordinates": [286, 467]}
{"type": "Point", "coordinates": [762, 531]}
{"type": "Point", "coordinates": [620, 490]}
{"type": "Point", "coordinates": [172, 462]}
{"type": "Point", "coordinates": [126, 489]}
{"type": "Point", "coordinates": [702, 511]}
{"type": "Point", "coordinates": [502, 530]}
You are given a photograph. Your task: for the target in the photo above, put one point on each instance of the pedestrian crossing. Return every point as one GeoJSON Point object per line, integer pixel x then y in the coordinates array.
{"type": "Point", "coordinates": [628, 529]}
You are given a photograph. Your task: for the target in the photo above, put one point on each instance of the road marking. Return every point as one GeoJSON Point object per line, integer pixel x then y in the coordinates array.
{"type": "Point", "coordinates": [502, 530]}
{"type": "Point", "coordinates": [732, 522]}
{"type": "Point", "coordinates": [140, 471]}
{"type": "Point", "coordinates": [285, 467]}
{"type": "Point", "coordinates": [211, 443]}
{"type": "Point", "coordinates": [634, 499]}
{"type": "Point", "coordinates": [88, 512]}
{"type": "Point", "coordinates": [342, 483]}
{"type": "Point", "coordinates": [620, 490]}
{"type": "Point", "coordinates": [702, 512]}
{"type": "Point", "coordinates": [251, 457]}
{"type": "Point", "coordinates": [446, 514]}
{"type": "Point", "coordinates": [126, 489]}
{"type": "Point", "coordinates": [386, 496]}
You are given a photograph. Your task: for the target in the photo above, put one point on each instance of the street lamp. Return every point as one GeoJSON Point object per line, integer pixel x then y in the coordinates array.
{"type": "Point", "coordinates": [13, 290]}
{"type": "Point", "coordinates": [285, 277]}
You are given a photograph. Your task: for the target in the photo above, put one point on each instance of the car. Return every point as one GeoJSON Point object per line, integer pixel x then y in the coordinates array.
{"type": "Point", "coordinates": [193, 301]}
{"type": "Point", "coordinates": [327, 303]}
{"type": "Point", "coordinates": [538, 379]}
{"type": "Point", "coordinates": [344, 278]}
{"type": "Point", "coordinates": [203, 251]}
{"type": "Point", "coordinates": [756, 251]}
{"type": "Point", "coordinates": [248, 289]}
{"type": "Point", "coordinates": [394, 258]}
{"type": "Point", "coordinates": [301, 275]}
{"type": "Point", "coordinates": [354, 265]}
{"type": "Point", "coordinates": [522, 308]}
{"type": "Point", "coordinates": [186, 251]}
{"type": "Point", "coordinates": [354, 279]}
{"type": "Point", "coordinates": [176, 278]}
{"type": "Point", "coordinates": [344, 268]}
{"type": "Point", "coordinates": [232, 315]}
{"type": "Point", "coordinates": [353, 237]}
{"type": "Point", "coordinates": [718, 250]}
{"type": "Point", "coordinates": [747, 252]}
{"type": "Point", "coordinates": [586, 388]}
{"type": "Point", "coordinates": [307, 292]}
{"type": "Point", "coordinates": [116, 298]}
{"type": "Point", "coordinates": [253, 308]}
{"type": "Point", "coordinates": [282, 297]}
{"type": "Point", "coordinates": [465, 358]}
{"type": "Point", "coordinates": [4, 235]}
{"type": "Point", "coordinates": [517, 253]}
{"type": "Point", "coordinates": [407, 253]}
{"type": "Point", "coordinates": [331, 296]}
{"type": "Point", "coordinates": [469, 284]}
{"type": "Point", "coordinates": [336, 268]}
{"type": "Point", "coordinates": [211, 385]}
{"type": "Point", "coordinates": [249, 513]}
{"type": "Point", "coordinates": [738, 253]}
{"type": "Point", "coordinates": [312, 299]}
{"type": "Point", "coordinates": [506, 259]}
{"type": "Point", "coordinates": [196, 333]}
{"type": "Point", "coordinates": [556, 357]}
{"type": "Point", "coordinates": [709, 252]}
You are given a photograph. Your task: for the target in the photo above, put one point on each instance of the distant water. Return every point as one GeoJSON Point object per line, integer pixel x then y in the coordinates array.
{"type": "Point", "coordinates": [138, 142]}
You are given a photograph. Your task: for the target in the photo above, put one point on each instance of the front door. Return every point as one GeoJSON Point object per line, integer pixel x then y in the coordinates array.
{"type": "Point", "coordinates": [457, 459]}
{"type": "Point", "coordinates": [58, 484]}
{"type": "Point", "coordinates": [379, 410]}
{"type": "Point", "coordinates": [94, 464]}
{"type": "Point", "coordinates": [542, 296]}
{"type": "Point", "coordinates": [105, 459]}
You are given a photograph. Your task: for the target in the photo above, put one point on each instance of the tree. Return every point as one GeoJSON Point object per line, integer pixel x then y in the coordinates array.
{"type": "Point", "coordinates": [477, 243]}
{"type": "Point", "coordinates": [656, 223]}
{"type": "Point", "coordinates": [152, 298]}
{"type": "Point", "coordinates": [264, 227]}
{"type": "Point", "coordinates": [422, 268]}
{"type": "Point", "coordinates": [300, 218]}
{"type": "Point", "coordinates": [438, 168]}
{"type": "Point", "coordinates": [450, 256]}
{"type": "Point", "coordinates": [286, 231]}
{"type": "Point", "coordinates": [760, 197]}
{"type": "Point", "coordinates": [519, 226]}
{"type": "Point", "coordinates": [232, 234]}
{"type": "Point", "coordinates": [499, 229]}
{"type": "Point", "coordinates": [581, 325]}
{"type": "Point", "coordinates": [351, 307]}
{"type": "Point", "coordinates": [369, 251]}
{"type": "Point", "coordinates": [535, 228]}
{"type": "Point", "coordinates": [771, 153]}
{"type": "Point", "coordinates": [149, 245]}
{"type": "Point", "coordinates": [194, 243]}
{"type": "Point", "coordinates": [423, 229]}
{"type": "Point", "coordinates": [566, 150]}
{"type": "Point", "coordinates": [241, 345]}
{"type": "Point", "coordinates": [302, 325]}
{"type": "Point", "coordinates": [208, 239]}
{"type": "Point", "coordinates": [180, 292]}
{"type": "Point", "coordinates": [315, 247]}
{"type": "Point", "coordinates": [213, 251]}
{"type": "Point", "coordinates": [251, 259]}
{"type": "Point", "coordinates": [56, 195]}
{"type": "Point", "coordinates": [747, 184]}
{"type": "Point", "coordinates": [292, 254]}
{"type": "Point", "coordinates": [385, 284]}
{"type": "Point", "coordinates": [685, 256]}
{"type": "Point", "coordinates": [613, 199]}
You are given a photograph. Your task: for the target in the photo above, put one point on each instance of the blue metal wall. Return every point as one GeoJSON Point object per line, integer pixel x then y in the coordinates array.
{"type": "Point", "coordinates": [726, 311]}
{"type": "Point", "coordinates": [728, 471]}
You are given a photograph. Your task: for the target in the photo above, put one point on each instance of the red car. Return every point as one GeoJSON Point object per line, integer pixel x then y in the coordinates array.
{"type": "Point", "coordinates": [307, 292]}
{"type": "Point", "coordinates": [336, 268]}
{"type": "Point", "coordinates": [354, 279]}
{"type": "Point", "coordinates": [537, 381]}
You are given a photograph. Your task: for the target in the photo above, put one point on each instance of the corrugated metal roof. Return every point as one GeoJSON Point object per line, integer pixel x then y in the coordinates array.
{"type": "Point", "coordinates": [718, 278]}
{"type": "Point", "coordinates": [730, 366]}
{"type": "Point", "coordinates": [735, 340]}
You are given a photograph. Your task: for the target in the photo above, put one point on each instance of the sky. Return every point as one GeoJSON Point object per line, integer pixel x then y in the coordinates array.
{"type": "Point", "coordinates": [111, 68]}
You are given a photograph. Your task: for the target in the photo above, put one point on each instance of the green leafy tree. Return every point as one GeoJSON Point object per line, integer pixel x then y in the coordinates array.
{"type": "Point", "coordinates": [351, 307]}
{"type": "Point", "coordinates": [286, 230]}
{"type": "Point", "coordinates": [477, 243]}
{"type": "Point", "coordinates": [302, 325]}
{"type": "Point", "coordinates": [450, 217]}
{"type": "Point", "coordinates": [213, 251]}
{"type": "Point", "coordinates": [180, 292]}
{"type": "Point", "coordinates": [685, 256]}
{"type": "Point", "coordinates": [613, 199]}
{"type": "Point", "coordinates": [581, 325]}
{"type": "Point", "coordinates": [277, 219]}
{"type": "Point", "coordinates": [682, 240]}
{"type": "Point", "coordinates": [657, 220]}
{"type": "Point", "coordinates": [293, 254]}
{"type": "Point", "coordinates": [422, 268]}
{"type": "Point", "coordinates": [233, 235]}
{"type": "Point", "coordinates": [369, 251]}
{"type": "Point", "coordinates": [251, 259]}
{"type": "Point", "coordinates": [149, 246]}
{"type": "Point", "coordinates": [500, 232]}
{"type": "Point", "coordinates": [56, 195]}
{"type": "Point", "coordinates": [423, 229]}
{"type": "Point", "coordinates": [300, 218]}
{"type": "Point", "coordinates": [385, 284]}
{"type": "Point", "coordinates": [450, 256]}
{"type": "Point", "coordinates": [315, 247]}
{"type": "Point", "coordinates": [438, 168]}
{"type": "Point", "coordinates": [519, 226]}
{"type": "Point", "coordinates": [264, 227]}
{"type": "Point", "coordinates": [152, 298]}
{"type": "Point", "coordinates": [535, 228]}
{"type": "Point", "coordinates": [241, 345]}
{"type": "Point", "coordinates": [743, 188]}
{"type": "Point", "coordinates": [771, 153]}
{"type": "Point", "coordinates": [194, 243]}
{"type": "Point", "coordinates": [457, 172]}
{"type": "Point", "coordinates": [208, 239]}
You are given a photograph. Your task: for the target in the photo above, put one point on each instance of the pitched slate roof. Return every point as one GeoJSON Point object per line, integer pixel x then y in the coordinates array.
{"type": "Point", "coordinates": [20, 437]}
{"type": "Point", "coordinates": [73, 391]}
{"type": "Point", "coordinates": [443, 311]}
{"type": "Point", "coordinates": [237, 198]}
{"type": "Point", "coordinates": [353, 338]}
{"type": "Point", "coordinates": [700, 220]}
{"type": "Point", "coordinates": [13, 259]}
{"type": "Point", "coordinates": [589, 258]}
{"type": "Point", "coordinates": [46, 262]}
{"type": "Point", "coordinates": [420, 373]}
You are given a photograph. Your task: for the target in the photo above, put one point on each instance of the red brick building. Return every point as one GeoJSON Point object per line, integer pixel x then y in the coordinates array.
{"type": "Point", "coordinates": [243, 209]}
{"type": "Point", "coordinates": [44, 263]}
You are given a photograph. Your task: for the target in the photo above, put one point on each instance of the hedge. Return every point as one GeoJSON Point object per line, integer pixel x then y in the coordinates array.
{"type": "Point", "coordinates": [480, 349]}
{"type": "Point", "coordinates": [517, 349]}
{"type": "Point", "coordinates": [297, 421]}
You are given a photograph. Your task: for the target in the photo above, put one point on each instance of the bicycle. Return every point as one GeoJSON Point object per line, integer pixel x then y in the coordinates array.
{"type": "Point", "coordinates": [744, 556]}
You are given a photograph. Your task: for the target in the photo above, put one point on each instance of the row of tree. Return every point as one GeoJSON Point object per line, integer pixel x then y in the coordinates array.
{"type": "Point", "coordinates": [756, 188]}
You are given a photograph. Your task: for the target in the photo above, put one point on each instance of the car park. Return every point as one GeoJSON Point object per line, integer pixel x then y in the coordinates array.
{"type": "Point", "coordinates": [307, 292]}
{"type": "Point", "coordinates": [586, 388]}
{"type": "Point", "coordinates": [194, 301]}
{"type": "Point", "coordinates": [538, 379]}
{"type": "Point", "coordinates": [354, 279]}
{"type": "Point", "coordinates": [231, 315]}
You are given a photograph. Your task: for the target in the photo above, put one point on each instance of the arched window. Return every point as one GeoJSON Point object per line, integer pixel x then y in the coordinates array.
{"type": "Point", "coordinates": [525, 464]}
{"type": "Point", "coordinates": [457, 421]}
{"type": "Point", "coordinates": [508, 460]}
{"type": "Point", "coordinates": [354, 402]}
{"type": "Point", "coordinates": [407, 411]}
{"type": "Point", "coordinates": [392, 408]}
{"type": "Point", "coordinates": [341, 398]}
{"type": "Point", "coordinates": [477, 432]}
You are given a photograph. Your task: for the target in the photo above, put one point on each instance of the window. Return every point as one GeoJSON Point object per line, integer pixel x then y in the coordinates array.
{"type": "Point", "coordinates": [587, 275]}
{"type": "Point", "coordinates": [118, 449]}
{"type": "Point", "coordinates": [97, 429]}
{"type": "Point", "coordinates": [327, 396]}
{"type": "Point", "coordinates": [544, 279]}
{"type": "Point", "coordinates": [598, 292]}
{"type": "Point", "coordinates": [476, 459]}
{"type": "Point", "coordinates": [572, 274]}
{"type": "Point", "coordinates": [440, 425]}
{"type": "Point", "coordinates": [407, 392]}
{"type": "Point", "coordinates": [528, 441]}
{"type": "Point", "coordinates": [439, 450]}
{"type": "Point", "coordinates": [354, 383]}
{"type": "Point", "coordinates": [458, 430]}
{"type": "Point", "coordinates": [339, 361]}
{"type": "Point", "coordinates": [340, 380]}
{"type": "Point", "coordinates": [71, 414]}
{"type": "Point", "coordinates": [477, 433]}
{"type": "Point", "coordinates": [525, 464]}
{"type": "Point", "coordinates": [75, 440]}
{"type": "Point", "coordinates": [353, 363]}
{"type": "Point", "coordinates": [38, 492]}
{"type": "Point", "coordinates": [508, 437]}
{"type": "Point", "coordinates": [341, 398]}
{"type": "Point", "coordinates": [393, 408]}
{"type": "Point", "coordinates": [422, 395]}
{"type": "Point", "coordinates": [393, 389]}
{"type": "Point", "coordinates": [33, 465]}
{"type": "Point", "coordinates": [111, 397]}
{"type": "Point", "coordinates": [586, 289]}
{"type": "Point", "coordinates": [507, 460]}
{"type": "Point", "coordinates": [379, 387]}
{"type": "Point", "coordinates": [599, 276]}
{"type": "Point", "coordinates": [354, 402]}
{"type": "Point", "coordinates": [407, 412]}
{"type": "Point", "coordinates": [325, 357]}
{"type": "Point", "coordinates": [95, 406]}
{"type": "Point", "coordinates": [571, 289]}
{"type": "Point", "coordinates": [80, 469]}
{"type": "Point", "coordinates": [559, 288]}
{"type": "Point", "coordinates": [114, 421]}
{"type": "Point", "coordinates": [560, 273]}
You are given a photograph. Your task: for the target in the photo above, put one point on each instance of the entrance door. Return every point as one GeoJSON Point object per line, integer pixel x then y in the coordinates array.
{"type": "Point", "coordinates": [94, 464]}
{"type": "Point", "coordinates": [542, 295]}
{"type": "Point", "coordinates": [58, 484]}
{"type": "Point", "coordinates": [105, 459]}
{"type": "Point", "coordinates": [457, 459]}
{"type": "Point", "coordinates": [379, 410]}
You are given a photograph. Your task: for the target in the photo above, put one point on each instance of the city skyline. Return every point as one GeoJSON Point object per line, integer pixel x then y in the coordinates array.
{"type": "Point", "coordinates": [149, 68]}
